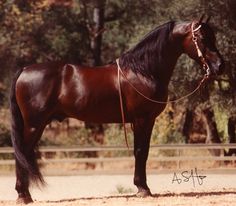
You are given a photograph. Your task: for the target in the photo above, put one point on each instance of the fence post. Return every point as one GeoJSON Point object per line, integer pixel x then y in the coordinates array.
{"type": "Point", "coordinates": [221, 155]}
{"type": "Point", "coordinates": [178, 162]}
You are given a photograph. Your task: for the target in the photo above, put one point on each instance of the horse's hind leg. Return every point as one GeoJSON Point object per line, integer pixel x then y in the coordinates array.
{"type": "Point", "coordinates": [142, 133]}
{"type": "Point", "coordinates": [22, 185]}
{"type": "Point", "coordinates": [26, 175]}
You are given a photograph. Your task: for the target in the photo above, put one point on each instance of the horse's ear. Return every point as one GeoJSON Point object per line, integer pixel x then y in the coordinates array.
{"type": "Point", "coordinates": [201, 19]}
{"type": "Point", "coordinates": [208, 19]}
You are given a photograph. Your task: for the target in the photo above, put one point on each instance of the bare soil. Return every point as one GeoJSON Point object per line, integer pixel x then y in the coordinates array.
{"type": "Point", "coordinates": [185, 199]}
{"type": "Point", "coordinates": [118, 190]}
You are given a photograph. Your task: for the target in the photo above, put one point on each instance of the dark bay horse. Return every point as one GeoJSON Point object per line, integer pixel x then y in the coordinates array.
{"type": "Point", "coordinates": [43, 92]}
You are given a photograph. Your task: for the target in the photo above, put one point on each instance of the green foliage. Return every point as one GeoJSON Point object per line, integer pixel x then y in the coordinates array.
{"type": "Point", "coordinates": [222, 119]}
{"type": "Point", "coordinates": [114, 135]}
{"type": "Point", "coordinates": [73, 136]}
{"type": "Point", "coordinates": [5, 136]}
{"type": "Point", "coordinates": [167, 129]}
{"type": "Point", "coordinates": [122, 190]}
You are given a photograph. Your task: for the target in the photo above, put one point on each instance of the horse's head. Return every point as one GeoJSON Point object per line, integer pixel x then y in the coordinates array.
{"type": "Point", "coordinates": [200, 45]}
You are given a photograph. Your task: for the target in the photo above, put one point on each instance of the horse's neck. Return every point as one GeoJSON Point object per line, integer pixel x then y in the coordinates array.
{"type": "Point", "coordinates": [165, 72]}
{"type": "Point", "coordinates": [172, 53]}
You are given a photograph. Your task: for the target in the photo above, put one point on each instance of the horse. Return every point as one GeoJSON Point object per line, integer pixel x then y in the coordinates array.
{"type": "Point", "coordinates": [50, 91]}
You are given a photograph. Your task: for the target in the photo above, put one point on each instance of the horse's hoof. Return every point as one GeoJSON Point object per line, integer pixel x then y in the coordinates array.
{"type": "Point", "coordinates": [143, 193]}
{"type": "Point", "coordinates": [24, 200]}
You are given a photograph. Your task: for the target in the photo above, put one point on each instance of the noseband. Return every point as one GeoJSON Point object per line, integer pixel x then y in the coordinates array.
{"type": "Point", "coordinates": [206, 67]}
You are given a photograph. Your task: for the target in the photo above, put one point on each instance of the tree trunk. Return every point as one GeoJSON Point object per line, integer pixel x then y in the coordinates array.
{"type": "Point", "coordinates": [188, 122]}
{"type": "Point", "coordinates": [212, 132]}
{"type": "Point", "coordinates": [232, 75]}
{"type": "Point", "coordinates": [97, 30]}
{"type": "Point", "coordinates": [231, 69]}
{"type": "Point", "coordinates": [232, 14]}
{"type": "Point", "coordinates": [232, 135]}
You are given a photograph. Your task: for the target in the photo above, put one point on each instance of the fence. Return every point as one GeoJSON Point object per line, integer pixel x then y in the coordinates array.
{"type": "Point", "coordinates": [179, 156]}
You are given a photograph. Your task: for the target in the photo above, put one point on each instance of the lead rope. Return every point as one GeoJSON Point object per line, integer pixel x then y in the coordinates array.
{"type": "Point", "coordinates": [121, 104]}
{"type": "Point", "coordinates": [151, 100]}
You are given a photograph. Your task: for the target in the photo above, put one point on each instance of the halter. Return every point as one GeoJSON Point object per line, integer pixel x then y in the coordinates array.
{"type": "Point", "coordinates": [199, 52]}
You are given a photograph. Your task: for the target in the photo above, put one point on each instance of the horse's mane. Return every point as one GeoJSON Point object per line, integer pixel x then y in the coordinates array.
{"type": "Point", "coordinates": [148, 54]}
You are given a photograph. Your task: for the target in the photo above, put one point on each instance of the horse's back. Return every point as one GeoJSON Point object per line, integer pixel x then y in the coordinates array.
{"type": "Point", "coordinates": [90, 94]}
{"type": "Point", "coordinates": [60, 90]}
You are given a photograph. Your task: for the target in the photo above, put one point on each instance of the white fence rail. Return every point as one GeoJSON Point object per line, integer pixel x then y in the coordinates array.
{"type": "Point", "coordinates": [180, 157]}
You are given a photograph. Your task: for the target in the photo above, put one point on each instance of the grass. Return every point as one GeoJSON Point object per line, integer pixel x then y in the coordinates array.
{"type": "Point", "coordinates": [120, 189]}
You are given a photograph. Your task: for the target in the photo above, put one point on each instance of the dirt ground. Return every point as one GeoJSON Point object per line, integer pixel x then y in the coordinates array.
{"type": "Point", "coordinates": [118, 190]}
{"type": "Point", "coordinates": [188, 199]}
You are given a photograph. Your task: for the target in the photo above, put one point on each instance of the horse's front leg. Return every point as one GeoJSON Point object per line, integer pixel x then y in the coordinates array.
{"type": "Point", "coordinates": [142, 133]}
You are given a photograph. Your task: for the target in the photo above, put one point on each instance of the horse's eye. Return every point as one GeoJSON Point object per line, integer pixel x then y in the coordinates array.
{"type": "Point", "coordinates": [208, 43]}
{"type": "Point", "coordinates": [203, 40]}
{"type": "Point", "coordinates": [202, 37]}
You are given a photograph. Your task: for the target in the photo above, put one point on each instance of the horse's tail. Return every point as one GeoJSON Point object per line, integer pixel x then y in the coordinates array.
{"type": "Point", "coordinates": [25, 160]}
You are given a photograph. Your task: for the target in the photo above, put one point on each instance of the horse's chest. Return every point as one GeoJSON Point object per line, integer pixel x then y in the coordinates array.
{"type": "Point", "coordinates": [141, 104]}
